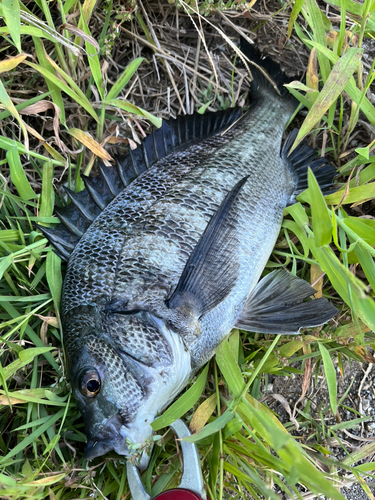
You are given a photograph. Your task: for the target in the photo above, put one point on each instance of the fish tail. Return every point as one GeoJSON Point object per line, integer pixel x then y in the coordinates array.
{"type": "Point", "coordinates": [300, 160]}
{"type": "Point", "coordinates": [274, 83]}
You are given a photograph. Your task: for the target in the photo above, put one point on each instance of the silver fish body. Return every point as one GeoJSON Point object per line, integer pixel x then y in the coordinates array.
{"type": "Point", "coordinates": [171, 265]}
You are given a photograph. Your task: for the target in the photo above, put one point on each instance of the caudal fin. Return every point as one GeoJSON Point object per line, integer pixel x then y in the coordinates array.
{"type": "Point", "coordinates": [260, 82]}
{"type": "Point", "coordinates": [300, 160]}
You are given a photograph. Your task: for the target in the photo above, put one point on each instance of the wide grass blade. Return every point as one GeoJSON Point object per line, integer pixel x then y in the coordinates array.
{"type": "Point", "coordinates": [131, 108]}
{"type": "Point", "coordinates": [183, 404]}
{"type": "Point", "coordinates": [48, 196]}
{"type": "Point", "coordinates": [93, 59]}
{"type": "Point", "coordinates": [336, 82]}
{"type": "Point", "coordinates": [11, 13]}
{"type": "Point", "coordinates": [359, 194]}
{"type": "Point", "coordinates": [124, 78]}
{"type": "Point", "coordinates": [78, 97]}
{"type": "Point", "coordinates": [321, 219]}
{"type": "Point", "coordinates": [329, 371]}
{"type": "Point", "coordinates": [8, 104]}
{"type": "Point", "coordinates": [54, 278]}
{"type": "Point", "coordinates": [18, 175]}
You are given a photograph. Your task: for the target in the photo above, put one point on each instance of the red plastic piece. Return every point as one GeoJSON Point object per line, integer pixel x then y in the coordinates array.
{"type": "Point", "coordinates": [178, 494]}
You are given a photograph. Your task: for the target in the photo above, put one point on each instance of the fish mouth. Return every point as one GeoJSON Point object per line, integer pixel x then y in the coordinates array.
{"type": "Point", "coordinates": [108, 439]}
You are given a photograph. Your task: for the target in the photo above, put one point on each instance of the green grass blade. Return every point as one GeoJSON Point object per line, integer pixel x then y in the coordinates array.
{"type": "Point", "coordinates": [93, 58]}
{"type": "Point", "coordinates": [330, 374]}
{"type": "Point", "coordinates": [11, 13]}
{"type": "Point", "coordinates": [229, 368]}
{"type": "Point", "coordinates": [317, 20]}
{"type": "Point", "coordinates": [54, 278]}
{"type": "Point", "coordinates": [25, 357]}
{"type": "Point", "coordinates": [321, 219]}
{"type": "Point", "coordinates": [290, 452]}
{"type": "Point", "coordinates": [8, 104]}
{"type": "Point", "coordinates": [359, 194]}
{"type": "Point", "coordinates": [351, 88]}
{"type": "Point", "coordinates": [6, 143]}
{"type": "Point", "coordinates": [77, 97]}
{"type": "Point", "coordinates": [298, 4]}
{"type": "Point", "coordinates": [183, 404]}
{"type": "Point", "coordinates": [18, 175]}
{"type": "Point", "coordinates": [367, 264]}
{"type": "Point", "coordinates": [47, 198]}
{"type": "Point", "coordinates": [211, 428]}
{"type": "Point", "coordinates": [28, 440]}
{"type": "Point", "coordinates": [124, 78]}
{"type": "Point", "coordinates": [341, 279]}
{"type": "Point", "coordinates": [363, 230]}
{"type": "Point", "coordinates": [131, 108]}
{"type": "Point", "coordinates": [335, 84]}
{"type": "Point", "coordinates": [53, 88]}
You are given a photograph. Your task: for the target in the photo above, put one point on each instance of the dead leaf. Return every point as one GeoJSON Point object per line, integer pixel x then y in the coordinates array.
{"type": "Point", "coordinates": [81, 34]}
{"type": "Point", "coordinates": [312, 78]}
{"type": "Point", "coordinates": [351, 330]}
{"type": "Point", "coordinates": [13, 401]}
{"type": "Point", "coordinates": [364, 354]}
{"type": "Point", "coordinates": [116, 140]}
{"type": "Point", "coordinates": [86, 139]}
{"type": "Point", "coordinates": [50, 479]}
{"type": "Point", "coordinates": [316, 278]}
{"type": "Point", "coordinates": [306, 377]}
{"type": "Point", "coordinates": [286, 407]}
{"type": "Point", "coordinates": [202, 414]}
{"type": "Point", "coordinates": [49, 320]}
{"type": "Point", "coordinates": [11, 62]}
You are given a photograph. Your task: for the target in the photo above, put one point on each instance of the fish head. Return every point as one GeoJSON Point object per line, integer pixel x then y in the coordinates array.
{"type": "Point", "coordinates": [108, 396]}
{"type": "Point", "coordinates": [117, 394]}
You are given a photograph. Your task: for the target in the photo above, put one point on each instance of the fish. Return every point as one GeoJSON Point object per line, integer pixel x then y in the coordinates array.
{"type": "Point", "coordinates": [165, 252]}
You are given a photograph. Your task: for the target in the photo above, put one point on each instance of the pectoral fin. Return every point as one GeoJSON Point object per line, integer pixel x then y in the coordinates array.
{"type": "Point", "coordinates": [276, 306]}
{"type": "Point", "coordinates": [213, 267]}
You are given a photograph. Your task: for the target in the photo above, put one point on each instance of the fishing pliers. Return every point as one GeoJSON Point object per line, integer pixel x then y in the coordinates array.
{"type": "Point", "coordinates": [191, 486]}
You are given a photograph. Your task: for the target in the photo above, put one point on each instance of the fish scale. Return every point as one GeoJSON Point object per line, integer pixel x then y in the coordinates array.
{"type": "Point", "coordinates": [170, 263]}
{"type": "Point", "coordinates": [194, 199]}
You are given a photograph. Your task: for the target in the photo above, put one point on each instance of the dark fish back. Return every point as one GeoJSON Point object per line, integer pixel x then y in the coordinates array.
{"type": "Point", "coordinates": [85, 206]}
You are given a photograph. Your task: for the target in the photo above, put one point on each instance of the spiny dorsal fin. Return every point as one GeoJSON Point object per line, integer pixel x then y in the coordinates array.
{"type": "Point", "coordinates": [101, 190]}
{"type": "Point", "coordinates": [299, 161]}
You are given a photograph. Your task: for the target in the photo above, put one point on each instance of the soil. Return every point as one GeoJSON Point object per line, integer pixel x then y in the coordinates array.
{"type": "Point", "coordinates": [361, 397]}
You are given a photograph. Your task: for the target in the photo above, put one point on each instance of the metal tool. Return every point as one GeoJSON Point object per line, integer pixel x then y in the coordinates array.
{"type": "Point", "coordinates": [191, 486]}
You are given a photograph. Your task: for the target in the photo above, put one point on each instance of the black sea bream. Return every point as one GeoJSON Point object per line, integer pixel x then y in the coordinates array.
{"type": "Point", "coordinates": [165, 252]}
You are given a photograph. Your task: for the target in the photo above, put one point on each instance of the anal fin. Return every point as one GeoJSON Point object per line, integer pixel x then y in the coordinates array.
{"type": "Point", "coordinates": [276, 306]}
{"type": "Point", "coordinates": [300, 160]}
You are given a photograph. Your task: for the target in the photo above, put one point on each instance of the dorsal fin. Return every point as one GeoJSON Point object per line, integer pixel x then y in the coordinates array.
{"type": "Point", "coordinates": [85, 206]}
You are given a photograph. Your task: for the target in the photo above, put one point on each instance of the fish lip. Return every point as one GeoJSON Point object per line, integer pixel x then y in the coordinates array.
{"type": "Point", "coordinates": [96, 448]}
{"type": "Point", "coordinates": [109, 438]}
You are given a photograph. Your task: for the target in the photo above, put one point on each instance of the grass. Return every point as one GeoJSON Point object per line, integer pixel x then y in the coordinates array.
{"type": "Point", "coordinates": [57, 131]}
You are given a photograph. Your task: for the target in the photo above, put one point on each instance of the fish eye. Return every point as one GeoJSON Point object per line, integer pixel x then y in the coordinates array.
{"type": "Point", "coordinates": [90, 383]}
